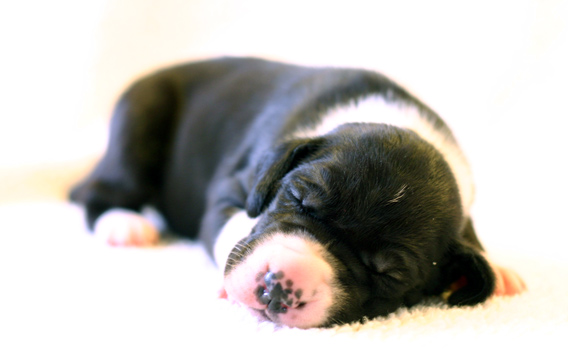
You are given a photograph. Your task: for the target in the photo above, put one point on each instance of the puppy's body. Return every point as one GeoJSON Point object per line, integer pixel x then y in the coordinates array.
{"type": "Point", "coordinates": [327, 195]}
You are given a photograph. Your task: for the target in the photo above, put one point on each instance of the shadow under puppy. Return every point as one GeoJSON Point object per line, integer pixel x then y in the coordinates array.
{"type": "Point", "coordinates": [326, 195]}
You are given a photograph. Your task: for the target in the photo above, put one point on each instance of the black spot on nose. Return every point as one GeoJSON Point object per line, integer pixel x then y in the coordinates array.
{"type": "Point", "coordinates": [271, 278]}
{"type": "Point", "coordinates": [277, 307]}
{"type": "Point", "coordinates": [271, 292]}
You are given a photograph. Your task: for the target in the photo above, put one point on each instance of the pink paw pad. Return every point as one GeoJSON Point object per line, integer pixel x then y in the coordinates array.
{"type": "Point", "coordinates": [507, 282]}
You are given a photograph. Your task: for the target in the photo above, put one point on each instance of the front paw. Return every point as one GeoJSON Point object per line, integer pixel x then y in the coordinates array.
{"type": "Point", "coordinates": [120, 227]}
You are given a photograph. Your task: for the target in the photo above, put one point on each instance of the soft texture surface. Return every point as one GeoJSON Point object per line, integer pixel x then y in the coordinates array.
{"type": "Point", "coordinates": [495, 70]}
{"type": "Point", "coordinates": [67, 295]}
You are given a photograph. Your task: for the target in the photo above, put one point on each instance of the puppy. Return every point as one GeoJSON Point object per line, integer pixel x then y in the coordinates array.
{"type": "Point", "coordinates": [326, 195]}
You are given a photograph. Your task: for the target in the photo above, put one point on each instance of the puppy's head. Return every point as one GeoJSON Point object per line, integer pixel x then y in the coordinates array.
{"type": "Point", "coordinates": [353, 224]}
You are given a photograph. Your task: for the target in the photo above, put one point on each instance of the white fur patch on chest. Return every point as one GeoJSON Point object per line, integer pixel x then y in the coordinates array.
{"type": "Point", "coordinates": [238, 227]}
{"type": "Point", "coordinates": [374, 109]}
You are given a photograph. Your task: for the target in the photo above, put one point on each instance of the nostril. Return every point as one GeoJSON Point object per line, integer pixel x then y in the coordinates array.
{"type": "Point", "coordinates": [265, 298]}
{"type": "Point", "coordinates": [262, 295]}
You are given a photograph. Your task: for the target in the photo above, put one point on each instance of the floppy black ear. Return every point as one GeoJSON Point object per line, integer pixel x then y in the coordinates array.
{"type": "Point", "coordinates": [275, 165]}
{"type": "Point", "coordinates": [467, 276]}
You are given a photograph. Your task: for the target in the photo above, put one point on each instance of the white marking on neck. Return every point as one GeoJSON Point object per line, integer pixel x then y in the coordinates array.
{"type": "Point", "coordinates": [375, 109]}
{"type": "Point", "coordinates": [237, 227]}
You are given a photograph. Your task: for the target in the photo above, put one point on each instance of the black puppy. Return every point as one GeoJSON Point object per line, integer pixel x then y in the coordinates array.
{"type": "Point", "coordinates": [327, 195]}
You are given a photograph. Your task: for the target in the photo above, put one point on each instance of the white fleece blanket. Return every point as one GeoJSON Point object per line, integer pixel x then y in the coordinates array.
{"type": "Point", "coordinates": [64, 295]}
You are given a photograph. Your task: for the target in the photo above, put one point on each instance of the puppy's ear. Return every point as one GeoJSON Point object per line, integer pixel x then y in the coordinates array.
{"type": "Point", "coordinates": [275, 165]}
{"type": "Point", "coordinates": [467, 277]}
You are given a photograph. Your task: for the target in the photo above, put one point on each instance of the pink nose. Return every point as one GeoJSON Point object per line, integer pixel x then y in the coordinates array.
{"type": "Point", "coordinates": [287, 279]}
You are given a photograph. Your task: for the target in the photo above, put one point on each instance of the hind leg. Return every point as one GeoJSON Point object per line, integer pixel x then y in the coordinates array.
{"type": "Point", "coordinates": [129, 176]}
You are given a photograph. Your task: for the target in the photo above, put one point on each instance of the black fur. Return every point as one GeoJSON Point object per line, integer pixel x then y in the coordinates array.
{"type": "Point", "coordinates": [202, 140]}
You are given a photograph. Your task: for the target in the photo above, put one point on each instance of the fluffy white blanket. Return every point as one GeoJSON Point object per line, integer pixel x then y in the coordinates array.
{"type": "Point", "coordinates": [64, 295]}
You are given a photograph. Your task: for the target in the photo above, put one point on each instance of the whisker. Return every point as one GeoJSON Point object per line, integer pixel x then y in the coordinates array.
{"type": "Point", "coordinates": [398, 196]}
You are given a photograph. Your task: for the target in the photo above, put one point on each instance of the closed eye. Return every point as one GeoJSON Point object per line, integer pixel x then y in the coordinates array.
{"type": "Point", "coordinates": [385, 266]}
{"type": "Point", "coordinates": [306, 202]}
{"type": "Point", "coordinates": [295, 193]}
{"type": "Point", "coordinates": [395, 274]}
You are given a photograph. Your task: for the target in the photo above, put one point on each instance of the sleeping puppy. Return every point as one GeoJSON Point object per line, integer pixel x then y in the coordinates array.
{"type": "Point", "coordinates": [326, 195]}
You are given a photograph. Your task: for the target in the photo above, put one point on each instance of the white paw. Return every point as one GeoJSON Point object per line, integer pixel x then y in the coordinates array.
{"type": "Point", "coordinates": [120, 227]}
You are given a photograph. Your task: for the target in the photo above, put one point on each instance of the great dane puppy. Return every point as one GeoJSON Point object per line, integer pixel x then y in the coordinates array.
{"type": "Point", "coordinates": [326, 195]}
